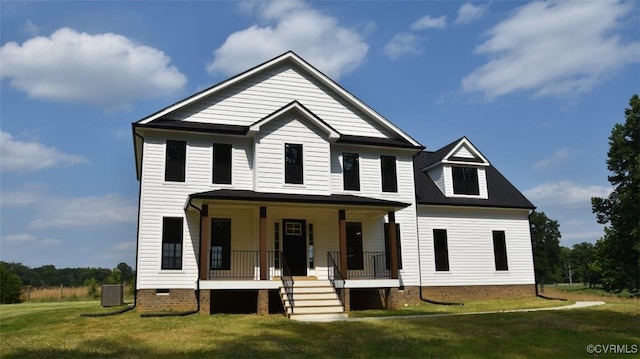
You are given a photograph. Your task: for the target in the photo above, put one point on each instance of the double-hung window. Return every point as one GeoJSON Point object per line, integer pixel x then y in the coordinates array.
{"type": "Point", "coordinates": [293, 163]}
{"type": "Point", "coordinates": [172, 243]}
{"type": "Point", "coordinates": [388, 170]}
{"type": "Point", "coordinates": [500, 250]}
{"type": "Point", "coordinates": [465, 180]}
{"type": "Point", "coordinates": [175, 161]}
{"type": "Point", "coordinates": [221, 163]}
{"type": "Point", "coordinates": [351, 171]}
{"type": "Point", "coordinates": [220, 244]}
{"type": "Point", "coordinates": [441, 250]}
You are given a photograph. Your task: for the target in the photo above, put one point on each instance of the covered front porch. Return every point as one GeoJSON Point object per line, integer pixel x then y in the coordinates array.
{"type": "Point", "coordinates": [267, 241]}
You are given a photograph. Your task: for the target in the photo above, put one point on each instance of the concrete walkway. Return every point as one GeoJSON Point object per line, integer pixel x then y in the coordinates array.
{"type": "Point", "coordinates": [576, 305]}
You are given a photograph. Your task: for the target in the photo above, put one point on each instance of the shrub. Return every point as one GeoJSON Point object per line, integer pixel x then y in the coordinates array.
{"type": "Point", "coordinates": [10, 286]}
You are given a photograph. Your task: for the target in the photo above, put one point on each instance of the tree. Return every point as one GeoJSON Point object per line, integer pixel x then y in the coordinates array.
{"type": "Point", "coordinates": [10, 286]}
{"type": "Point", "coordinates": [126, 273]}
{"type": "Point", "coordinates": [618, 252]}
{"type": "Point", "coordinates": [568, 269]}
{"type": "Point", "coordinates": [545, 237]}
{"type": "Point", "coordinates": [582, 258]}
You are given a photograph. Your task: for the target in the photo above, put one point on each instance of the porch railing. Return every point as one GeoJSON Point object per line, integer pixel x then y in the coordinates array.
{"type": "Point", "coordinates": [335, 276]}
{"type": "Point", "coordinates": [371, 265]}
{"type": "Point", "coordinates": [238, 264]}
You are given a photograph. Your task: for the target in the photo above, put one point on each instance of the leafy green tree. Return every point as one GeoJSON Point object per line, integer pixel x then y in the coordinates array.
{"type": "Point", "coordinates": [545, 237]}
{"type": "Point", "coordinates": [568, 269]}
{"type": "Point", "coordinates": [582, 258]}
{"type": "Point", "coordinates": [618, 252]}
{"type": "Point", "coordinates": [126, 273]}
{"type": "Point", "coordinates": [10, 286]}
{"type": "Point", "coordinates": [92, 288]}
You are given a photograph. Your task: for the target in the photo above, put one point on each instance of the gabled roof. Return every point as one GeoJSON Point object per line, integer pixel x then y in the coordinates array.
{"type": "Point", "coordinates": [449, 154]}
{"type": "Point", "coordinates": [501, 193]}
{"type": "Point", "coordinates": [296, 60]}
{"type": "Point", "coordinates": [296, 106]}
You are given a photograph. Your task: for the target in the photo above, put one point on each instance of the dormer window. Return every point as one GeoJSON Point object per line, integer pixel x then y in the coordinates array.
{"type": "Point", "coordinates": [465, 181]}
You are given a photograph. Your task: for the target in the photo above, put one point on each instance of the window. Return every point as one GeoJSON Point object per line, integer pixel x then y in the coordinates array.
{"type": "Point", "coordinates": [441, 250]}
{"type": "Point", "coordinates": [351, 171]}
{"type": "Point", "coordinates": [175, 161]}
{"type": "Point", "coordinates": [221, 163]}
{"type": "Point", "coordinates": [354, 246]}
{"type": "Point", "coordinates": [293, 163]}
{"type": "Point", "coordinates": [311, 255]}
{"type": "Point", "coordinates": [220, 243]}
{"type": "Point", "coordinates": [465, 180]}
{"type": "Point", "coordinates": [388, 169]}
{"type": "Point", "coordinates": [293, 228]}
{"type": "Point", "coordinates": [172, 243]}
{"type": "Point", "coordinates": [387, 248]}
{"type": "Point", "coordinates": [276, 244]}
{"type": "Point", "coordinates": [500, 250]}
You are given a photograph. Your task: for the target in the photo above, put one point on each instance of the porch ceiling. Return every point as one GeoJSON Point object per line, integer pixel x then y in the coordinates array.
{"type": "Point", "coordinates": [262, 197]}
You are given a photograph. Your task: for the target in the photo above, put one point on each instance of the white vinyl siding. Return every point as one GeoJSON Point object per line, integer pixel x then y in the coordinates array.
{"type": "Point", "coordinates": [269, 161]}
{"type": "Point", "coordinates": [258, 96]}
{"type": "Point", "coordinates": [437, 175]}
{"type": "Point", "coordinates": [470, 245]}
{"type": "Point", "coordinates": [463, 152]}
{"type": "Point", "coordinates": [167, 199]}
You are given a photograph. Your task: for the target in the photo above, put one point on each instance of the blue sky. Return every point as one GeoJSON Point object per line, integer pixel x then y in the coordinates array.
{"type": "Point", "coordinates": [536, 86]}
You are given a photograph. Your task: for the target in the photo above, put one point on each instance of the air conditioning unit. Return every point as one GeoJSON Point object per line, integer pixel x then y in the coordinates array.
{"type": "Point", "coordinates": [112, 295]}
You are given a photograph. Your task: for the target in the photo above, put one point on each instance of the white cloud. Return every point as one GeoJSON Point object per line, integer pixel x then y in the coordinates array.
{"type": "Point", "coordinates": [402, 44]}
{"type": "Point", "coordinates": [468, 13]}
{"type": "Point", "coordinates": [31, 29]}
{"type": "Point", "coordinates": [22, 156]}
{"type": "Point", "coordinates": [428, 22]}
{"type": "Point", "coordinates": [84, 212]}
{"type": "Point", "coordinates": [553, 48]}
{"type": "Point", "coordinates": [291, 25]}
{"type": "Point", "coordinates": [565, 193]}
{"type": "Point", "coordinates": [29, 239]}
{"type": "Point", "coordinates": [106, 69]}
{"type": "Point", "coordinates": [557, 158]}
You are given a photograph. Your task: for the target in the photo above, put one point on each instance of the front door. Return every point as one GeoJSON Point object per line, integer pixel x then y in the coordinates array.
{"type": "Point", "coordinates": [294, 245]}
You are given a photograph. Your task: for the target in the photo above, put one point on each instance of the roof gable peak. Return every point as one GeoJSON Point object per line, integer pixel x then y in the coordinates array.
{"type": "Point", "coordinates": [464, 152]}
{"type": "Point", "coordinates": [296, 106]}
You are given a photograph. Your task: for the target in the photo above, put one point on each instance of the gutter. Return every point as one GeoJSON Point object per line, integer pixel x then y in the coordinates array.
{"type": "Point", "coordinates": [196, 291]}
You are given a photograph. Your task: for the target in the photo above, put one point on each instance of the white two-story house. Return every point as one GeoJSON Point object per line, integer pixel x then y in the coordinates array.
{"type": "Point", "coordinates": [278, 183]}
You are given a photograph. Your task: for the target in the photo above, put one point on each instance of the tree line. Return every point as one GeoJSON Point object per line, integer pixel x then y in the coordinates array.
{"type": "Point", "coordinates": [15, 276]}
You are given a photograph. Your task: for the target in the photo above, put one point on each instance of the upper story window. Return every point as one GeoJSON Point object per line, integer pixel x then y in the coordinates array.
{"type": "Point", "coordinates": [465, 180]}
{"type": "Point", "coordinates": [172, 230]}
{"type": "Point", "coordinates": [388, 170]}
{"type": "Point", "coordinates": [351, 171]}
{"type": "Point", "coordinates": [175, 161]}
{"type": "Point", "coordinates": [221, 163]}
{"type": "Point", "coordinates": [293, 163]}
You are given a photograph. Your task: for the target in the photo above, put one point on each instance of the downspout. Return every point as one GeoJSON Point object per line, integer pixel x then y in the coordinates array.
{"type": "Point", "coordinates": [422, 298]}
{"type": "Point", "coordinates": [533, 257]}
{"type": "Point", "coordinates": [196, 291]}
{"type": "Point", "coordinates": [135, 292]}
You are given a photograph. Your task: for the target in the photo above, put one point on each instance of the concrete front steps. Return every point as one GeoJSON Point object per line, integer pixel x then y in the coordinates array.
{"type": "Point", "coordinates": [313, 301]}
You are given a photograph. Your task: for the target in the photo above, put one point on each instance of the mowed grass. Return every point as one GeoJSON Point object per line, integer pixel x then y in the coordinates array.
{"type": "Point", "coordinates": [56, 330]}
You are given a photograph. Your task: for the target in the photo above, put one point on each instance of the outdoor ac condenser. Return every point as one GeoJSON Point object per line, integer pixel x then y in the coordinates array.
{"type": "Point", "coordinates": [112, 295]}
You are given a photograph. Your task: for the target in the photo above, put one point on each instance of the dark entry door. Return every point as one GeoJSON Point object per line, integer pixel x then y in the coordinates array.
{"type": "Point", "coordinates": [294, 245]}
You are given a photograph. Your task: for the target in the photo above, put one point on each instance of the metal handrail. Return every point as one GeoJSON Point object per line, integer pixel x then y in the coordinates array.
{"type": "Point", "coordinates": [333, 272]}
{"type": "Point", "coordinates": [287, 279]}
{"type": "Point", "coordinates": [239, 264]}
{"type": "Point", "coordinates": [369, 265]}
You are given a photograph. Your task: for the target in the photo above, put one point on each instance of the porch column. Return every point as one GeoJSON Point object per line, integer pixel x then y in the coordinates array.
{"type": "Point", "coordinates": [204, 241]}
{"type": "Point", "coordinates": [393, 246]}
{"type": "Point", "coordinates": [342, 240]}
{"type": "Point", "coordinates": [263, 243]}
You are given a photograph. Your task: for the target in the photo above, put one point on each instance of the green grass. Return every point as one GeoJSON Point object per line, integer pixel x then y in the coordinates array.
{"type": "Point", "coordinates": [579, 290]}
{"type": "Point", "coordinates": [56, 330]}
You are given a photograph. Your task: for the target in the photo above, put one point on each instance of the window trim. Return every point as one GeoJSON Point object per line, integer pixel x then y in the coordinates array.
{"type": "Point", "coordinates": [213, 163]}
{"type": "Point", "coordinates": [354, 172]}
{"type": "Point", "coordinates": [287, 179]}
{"type": "Point", "coordinates": [440, 254]}
{"type": "Point", "coordinates": [181, 175]}
{"type": "Point", "coordinates": [500, 255]}
{"type": "Point", "coordinates": [387, 186]}
{"type": "Point", "coordinates": [173, 262]}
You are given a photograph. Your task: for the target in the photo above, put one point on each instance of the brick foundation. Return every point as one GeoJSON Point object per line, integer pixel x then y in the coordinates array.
{"type": "Point", "coordinates": [479, 292]}
{"type": "Point", "coordinates": [263, 302]}
{"type": "Point", "coordinates": [148, 300]}
{"type": "Point", "coordinates": [205, 302]}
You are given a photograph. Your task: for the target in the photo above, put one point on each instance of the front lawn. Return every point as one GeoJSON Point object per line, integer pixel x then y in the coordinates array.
{"type": "Point", "coordinates": [56, 330]}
